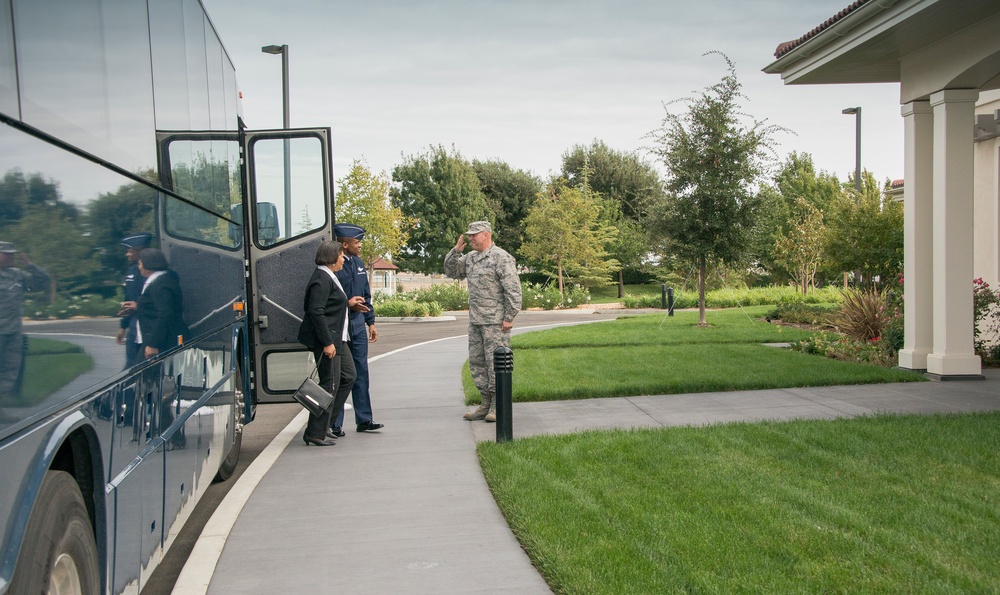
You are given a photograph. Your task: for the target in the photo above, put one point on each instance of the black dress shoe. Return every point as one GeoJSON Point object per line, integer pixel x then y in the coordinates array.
{"type": "Point", "coordinates": [370, 426]}
{"type": "Point", "coordinates": [335, 433]}
{"type": "Point", "coordinates": [317, 441]}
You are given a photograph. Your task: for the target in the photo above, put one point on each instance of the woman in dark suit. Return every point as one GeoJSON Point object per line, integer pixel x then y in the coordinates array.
{"type": "Point", "coordinates": [324, 330]}
{"type": "Point", "coordinates": [159, 309]}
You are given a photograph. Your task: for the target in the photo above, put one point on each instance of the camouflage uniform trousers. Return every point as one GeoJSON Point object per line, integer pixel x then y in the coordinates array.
{"type": "Point", "coordinates": [483, 339]}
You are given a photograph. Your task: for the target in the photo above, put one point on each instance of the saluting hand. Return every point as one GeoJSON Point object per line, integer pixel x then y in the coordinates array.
{"type": "Point", "coordinates": [460, 244]}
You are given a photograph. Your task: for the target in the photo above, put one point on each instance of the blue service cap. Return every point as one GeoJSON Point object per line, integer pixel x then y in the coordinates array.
{"type": "Point", "coordinates": [139, 240]}
{"type": "Point", "coordinates": [349, 230]}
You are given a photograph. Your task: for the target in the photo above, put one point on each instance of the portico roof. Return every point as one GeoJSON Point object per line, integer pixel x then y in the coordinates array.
{"type": "Point", "coordinates": [876, 41]}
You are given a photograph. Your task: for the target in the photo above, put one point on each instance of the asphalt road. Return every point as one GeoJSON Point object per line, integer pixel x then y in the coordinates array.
{"type": "Point", "coordinates": [273, 417]}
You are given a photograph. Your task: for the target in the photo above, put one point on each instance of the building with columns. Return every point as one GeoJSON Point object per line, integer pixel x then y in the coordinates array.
{"type": "Point", "coordinates": [945, 55]}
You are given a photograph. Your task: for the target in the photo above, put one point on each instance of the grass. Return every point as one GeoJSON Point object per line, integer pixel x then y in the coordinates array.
{"type": "Point", "coordinates": [608, 294]}
{"type": "Point", "coordinates": [870, 505]}
{"type": "Point", "coordinates": [50, 365]}
{"type": "Point", "coordinates": [655, 354]}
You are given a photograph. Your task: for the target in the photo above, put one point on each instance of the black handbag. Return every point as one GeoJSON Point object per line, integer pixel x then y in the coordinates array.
{"type": "Point", "coordinates": [312, 396]}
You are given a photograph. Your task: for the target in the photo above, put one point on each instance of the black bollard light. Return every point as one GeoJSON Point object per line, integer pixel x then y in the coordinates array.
{"type": "Point", "coordinates": [503, 366]}
{"type": "Point", "coordinates": [663, 296]}
{"type": "Point", "coordinates": [670, 301]}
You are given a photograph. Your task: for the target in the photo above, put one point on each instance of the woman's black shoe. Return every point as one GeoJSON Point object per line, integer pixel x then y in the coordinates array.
{"type": "Point", "coordinates": [317, 441]}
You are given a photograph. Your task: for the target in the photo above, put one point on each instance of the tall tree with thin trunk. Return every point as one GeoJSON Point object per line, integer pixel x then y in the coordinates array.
{"type": "Point", "coordinates": [714, 164]}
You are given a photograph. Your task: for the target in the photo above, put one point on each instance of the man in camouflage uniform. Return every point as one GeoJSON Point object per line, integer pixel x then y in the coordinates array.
{"type": "Point", "coordinates": [494, 301]}
{"type": "Point", "coordinates": [13, 283]}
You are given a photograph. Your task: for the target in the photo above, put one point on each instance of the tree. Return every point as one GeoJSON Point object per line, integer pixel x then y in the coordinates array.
{"type": "Point", "coordinates": [116, 215]}
{"type": "Point", "coordinates": [564, 233]}
{"type": "Point", "coordinates": [440, 192]}
{"type": "Point", "coordinates": [627, 181]}
{"type": "Point", "coordinates": [363, 199]}
{"type": "Point", "coordinates": [796, 179]}
{"type": "Point", "coordinates": [620, 176]}
{"type": "Point", "coordinates": [800, 248]}
{"type": "Point", "coordinates": [714, 164]}
{"type": "Point", "coordinates": [867, 236]}
{"type": "Point", "coordinates": [510, 193]}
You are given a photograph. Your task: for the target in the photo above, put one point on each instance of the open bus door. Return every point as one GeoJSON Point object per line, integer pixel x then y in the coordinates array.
{"type": "Point", "coordinates": [289, 182]}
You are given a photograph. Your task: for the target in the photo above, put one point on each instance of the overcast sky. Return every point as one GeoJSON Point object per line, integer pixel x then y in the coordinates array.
{"type": "Point", "coordinates": [522, 81]}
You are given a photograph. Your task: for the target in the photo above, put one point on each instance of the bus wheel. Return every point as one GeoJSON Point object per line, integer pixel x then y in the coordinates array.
{"type": "Point", "coordinates": [59, 554]}
{"type": "Point", "coordinates": [233, 457]}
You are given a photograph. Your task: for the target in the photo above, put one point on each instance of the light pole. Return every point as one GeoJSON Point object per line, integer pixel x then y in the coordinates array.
{"type": "Point", "coordinates": [286, 124]}
{"type": "Point", "coordinates": [856, 112]}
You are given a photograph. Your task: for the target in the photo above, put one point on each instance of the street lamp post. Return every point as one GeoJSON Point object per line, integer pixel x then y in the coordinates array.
{"type": "Point", "coordinates": [286, 124]}
{"type": "Point", "coordinates": [856, 112]}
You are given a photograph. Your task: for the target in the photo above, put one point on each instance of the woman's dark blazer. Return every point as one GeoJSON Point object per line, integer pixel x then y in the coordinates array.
{"type": "Point", "coordinates": [159, 311]}
{"type": "Point", "coordinates": [324, 305]}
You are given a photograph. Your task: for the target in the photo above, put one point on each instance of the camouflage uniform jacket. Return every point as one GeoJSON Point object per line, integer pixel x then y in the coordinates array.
{"type": "Point", "coordinates": [13, 283]}
{"type": "Point", "coordinates": [494, 287]}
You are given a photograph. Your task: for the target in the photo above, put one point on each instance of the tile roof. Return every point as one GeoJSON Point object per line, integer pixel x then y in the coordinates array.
{"type": "Point", "coordinates": [788, 46]}
{"type": "Point", "coordinates": [382, 264]}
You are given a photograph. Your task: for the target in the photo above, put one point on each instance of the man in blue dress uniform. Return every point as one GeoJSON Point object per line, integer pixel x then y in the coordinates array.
{"type": "Point", "coordinates": [354, 279]}
{"type": "Point", "coordinates": [134, 244]}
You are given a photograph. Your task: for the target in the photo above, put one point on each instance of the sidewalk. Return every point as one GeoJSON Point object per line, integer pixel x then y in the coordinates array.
{"type": "Point", "coordinates": [407, 510]}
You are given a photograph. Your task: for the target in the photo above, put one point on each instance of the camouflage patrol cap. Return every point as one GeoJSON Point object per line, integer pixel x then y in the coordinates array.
{"type": "Point", "coordinates": [479, 227]}
{"type": "Point", "coordinates": [7, 248]}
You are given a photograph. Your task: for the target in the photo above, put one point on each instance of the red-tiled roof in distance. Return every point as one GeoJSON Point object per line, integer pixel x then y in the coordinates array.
{"type": "Point", "coordinates": [897, 184]}
{"type": "Point", "coordinates": [382, 264]}
{"type": "Point", "coordinates": [788, 46]}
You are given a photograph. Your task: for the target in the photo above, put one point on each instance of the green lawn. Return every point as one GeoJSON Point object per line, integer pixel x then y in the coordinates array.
{"type": "Point", "coordinates": [656, 354]}
{"type": "Point", "coordinates": [871, 505]}
{"type": "Point", "coordinates": [50, 365]}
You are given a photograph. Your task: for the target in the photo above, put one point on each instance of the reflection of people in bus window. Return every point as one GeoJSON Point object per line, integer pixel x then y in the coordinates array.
{"type": "Point", "coordinates": [159, 309]}
{"type": "Point", "coordinates": [13, 283]}
{"type": "Point", "coordinates": [134, 244]}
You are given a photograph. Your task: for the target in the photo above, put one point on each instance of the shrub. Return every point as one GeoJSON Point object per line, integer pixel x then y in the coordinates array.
{"type": "Point", "coordinates": [837, 346]}
{"type": "Point", "coordinates": [864, 314]}
{"type": "Point", "coordinates": [733, 298]}
{"type": "Point", "coordinates": [548, 298]}
{"type": "Point", "coordinates": [404, 308]}
{"type": "Point", "coordinates": [800, 313]}
{"type": "Point", "coordinates": [986, 314]}
{"type": "Point", "coordinates": [37, 307]}
{"type": "Point", "coordinates": [449, 296]}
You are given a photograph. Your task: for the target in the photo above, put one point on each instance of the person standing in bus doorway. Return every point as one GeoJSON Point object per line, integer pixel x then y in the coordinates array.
{"type": "Point", "coordinates": [361, 322]}
{"type": "Point", "coordinates": [159, 310]}
{"type": "Point", "coordinates": [134, 244]}
{"type": "Point", "coordinates": [13, 283]}
{"type": "Point", "coordinates": [494, 301]}
{"type": "Point", "coordinates": [324, 331]}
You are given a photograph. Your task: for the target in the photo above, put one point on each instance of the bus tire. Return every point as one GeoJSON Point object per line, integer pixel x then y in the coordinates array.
{"type": "Point", "coordinates": [228, 466]}
{"type": "Point", "coordinates": [59, 553]}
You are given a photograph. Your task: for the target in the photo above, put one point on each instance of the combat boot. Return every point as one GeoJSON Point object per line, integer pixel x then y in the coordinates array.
{"type": "Point", "coordinates": [479, 413]}
{"type": "Point", "coordinates": [492, 415]}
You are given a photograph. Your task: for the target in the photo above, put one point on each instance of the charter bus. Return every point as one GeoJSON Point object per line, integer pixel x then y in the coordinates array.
{"type": "Point", "coordinates": [120, 117]}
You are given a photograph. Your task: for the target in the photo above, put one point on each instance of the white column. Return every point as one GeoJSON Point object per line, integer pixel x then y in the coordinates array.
{"type": "Point", "coordinates": [918, 231]}
{"type": "Point", "coordinates": [953, 353]}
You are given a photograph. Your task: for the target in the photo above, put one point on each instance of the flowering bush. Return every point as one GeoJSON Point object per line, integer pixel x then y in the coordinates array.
{"type": "Point", "coordinates": [534, 295]}
{"type": "Point", "coordinates": [454, 296]}
{"type": "Point", "coordinates": [36, 306]}
{"type": "Point", "coordinates": [986, 311]}
{"type": "Point", "coordinates": [834, 345]}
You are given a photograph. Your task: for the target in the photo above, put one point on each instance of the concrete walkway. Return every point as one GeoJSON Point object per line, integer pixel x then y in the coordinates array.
{"type": "Point", "coordinates": [407, 510]}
